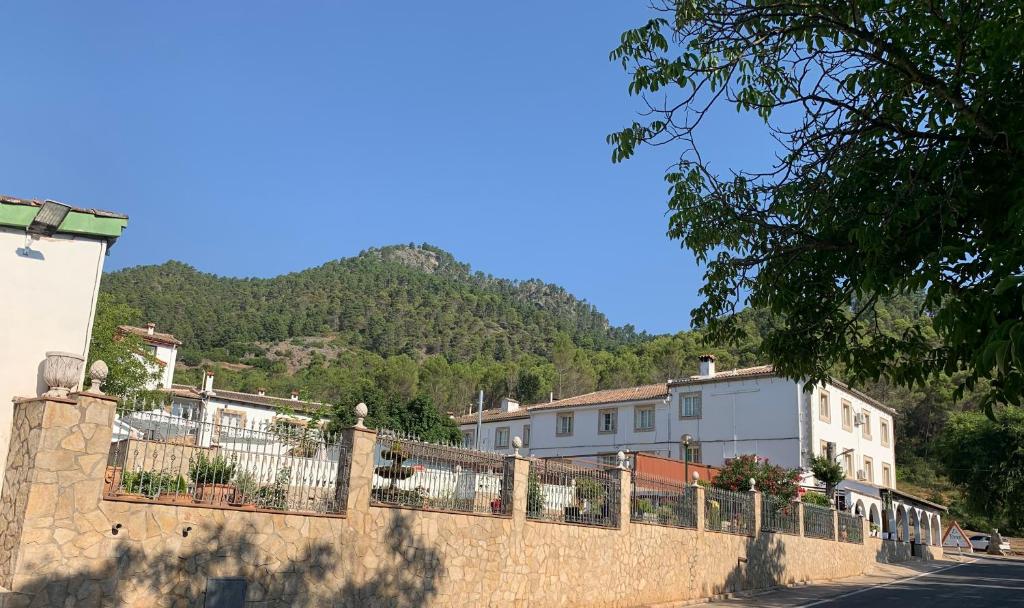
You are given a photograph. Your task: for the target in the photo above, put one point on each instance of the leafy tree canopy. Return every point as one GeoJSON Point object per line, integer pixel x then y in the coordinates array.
{"type": "Point", "coordinates": [124, 354]}
{"type": "Point", "coordinates": [769, 478]}
{"type": "Point", "coordinates": [901, 169]}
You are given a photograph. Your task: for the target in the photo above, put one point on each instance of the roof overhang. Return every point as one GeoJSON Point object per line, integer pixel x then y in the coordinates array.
{"type": "Point", "coordinates": [95, 223]}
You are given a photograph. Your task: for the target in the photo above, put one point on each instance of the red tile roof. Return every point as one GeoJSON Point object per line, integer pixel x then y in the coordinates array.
{"type": "Point", "coordinates": [155, 338]}
{"type": "Point", "coordinates": [614, 395]}
{"type": "Point", "coordinates": [31, 202]}
{"type": "Point", "coordinates": [493, 415]}
{"type": "Point", "coordinates": [190, 392]}
{"type": "Point", "coordinates": [742, 372]}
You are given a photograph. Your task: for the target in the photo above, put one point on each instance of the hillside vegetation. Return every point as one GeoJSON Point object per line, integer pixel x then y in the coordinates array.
{"type": "Point", "coordinates": [415, 334]}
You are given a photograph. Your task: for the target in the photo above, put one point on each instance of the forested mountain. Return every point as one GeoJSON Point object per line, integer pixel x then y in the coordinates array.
{"type": "Point", "coordinates": [416, 334]}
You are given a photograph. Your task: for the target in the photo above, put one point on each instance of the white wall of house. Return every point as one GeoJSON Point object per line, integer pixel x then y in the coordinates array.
{"type": "Point", "coordinates": [588, 437]}
{"type": "Point", "coordinates": [169, 355]}
{"type": "Point", "coordinates": [758, 415]}
{"type": "Point", "coordinates": [47, 303]}
{"type": "Point", "coordinates": [489, 435]}
{"type": "Point", "coordinates": [869, 452]}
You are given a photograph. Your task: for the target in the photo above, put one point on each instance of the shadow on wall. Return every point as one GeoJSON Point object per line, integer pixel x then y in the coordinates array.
{"type": "Point", "coordinates": [406, 579]}
{"type": "Point", "coordinates": [765, 565]}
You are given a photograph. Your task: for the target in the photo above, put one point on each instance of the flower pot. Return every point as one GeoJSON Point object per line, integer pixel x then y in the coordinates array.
{"type": "Point", "coordinates": [61, 372]}
{"type": "Point", "coordinates": [111, 479]}
{"type": "Point", "coordinates": [214, 493]}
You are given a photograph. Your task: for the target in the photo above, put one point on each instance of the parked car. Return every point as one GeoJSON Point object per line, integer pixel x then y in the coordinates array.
{"type": "Point", "coordinates": [980, 542]}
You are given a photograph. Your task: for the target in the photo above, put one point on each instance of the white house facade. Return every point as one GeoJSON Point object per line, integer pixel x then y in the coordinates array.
{"type": "Point", "coordinates": [163, 347]}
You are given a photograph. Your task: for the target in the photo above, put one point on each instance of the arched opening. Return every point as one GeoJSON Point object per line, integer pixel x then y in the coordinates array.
{"type": "Point", "coordinates": [926, 528]}
{"type": "Point", "coordinates": [914, 533]}
{"type": "Point", "coordinates": [876, 521]}
{"type": "Point", "coordinates": [858, 509]}
{"type": "Point", "coordinates": [936, 530]}
{"type": "Point", "coordinates": [902, 533]}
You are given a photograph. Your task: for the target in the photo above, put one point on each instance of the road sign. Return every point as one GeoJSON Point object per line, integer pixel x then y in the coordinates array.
{"type": "Point", "coordinates": [955, 537]}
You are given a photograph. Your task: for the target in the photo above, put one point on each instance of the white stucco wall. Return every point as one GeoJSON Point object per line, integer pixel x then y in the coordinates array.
{"type": "Point", "coordinates": [47, 302]}
{"type": "Point", "coordinates": [750, 416]}
{"type": "Point", "coordinates": [488, 433]}
{"type": "Point", "coordinates": [852, 438]}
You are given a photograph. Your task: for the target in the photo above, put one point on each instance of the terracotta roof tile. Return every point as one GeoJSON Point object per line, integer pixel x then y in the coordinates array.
{"type": "Point", "coordinates": [493, 415]}
{"type": "Point", "coordinates": [143, 332]}
{"type": "Point", "coordinates": [742, 372]}
{"type": "Point", "coordinates": [31, 202]}
{"type": "Point", "coordinates": [189, 392]}
{"type": "Point", "coordinates": [614, 395]}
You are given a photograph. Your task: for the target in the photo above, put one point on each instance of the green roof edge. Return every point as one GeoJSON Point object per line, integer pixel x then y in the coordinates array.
{"type": "Point", "coordinates": [76, 222]}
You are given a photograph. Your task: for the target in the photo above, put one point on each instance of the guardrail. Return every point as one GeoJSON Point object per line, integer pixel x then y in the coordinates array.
{"type": "Point", "coordinates": [730, 512]}
{"type": "Point", "coordinates": [779, 515]}
{"type": "Point", "coordinates": [575, 493]}
{"type": "Point", "coordinates": [660, 501]}
{"type": "Point", "coordinates": [819, 522]}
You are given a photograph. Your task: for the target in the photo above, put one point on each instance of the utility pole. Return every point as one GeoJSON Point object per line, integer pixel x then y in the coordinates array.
{"type": "Point", "coordinates": [479, 417]}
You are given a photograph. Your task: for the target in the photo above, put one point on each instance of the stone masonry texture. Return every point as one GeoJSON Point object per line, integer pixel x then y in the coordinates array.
{"type": "Point", "coordinates": [66, 546]}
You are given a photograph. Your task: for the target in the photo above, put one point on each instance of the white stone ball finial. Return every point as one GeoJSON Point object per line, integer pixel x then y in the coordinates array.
{"type": "Point", "coordinates": [517, 442]}
{"type": "Point", "coordinates": [753, 485]}
{"type": "Point", "coordinates": [98, 373]}
{"type": "Point", "coordinates": [361, 412]}
{"type": "Point", "coordinates": [621, 456]}
{"type": "Point", "coordinates": [696, 478]}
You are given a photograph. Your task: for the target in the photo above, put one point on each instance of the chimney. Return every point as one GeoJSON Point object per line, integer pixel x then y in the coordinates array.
{"type": "Point", "coordinates": [707, 366]}
{"type": "Point", "coordinates": [150, 328]}
{"type": "Point", "coordinates": [508, 404]}
{"type": "Point", "coordinates": [208, 383]}
{"type": "Point", "coordinates": [295, 395]}
{"type": "Point", "coordinates": [261, 392]}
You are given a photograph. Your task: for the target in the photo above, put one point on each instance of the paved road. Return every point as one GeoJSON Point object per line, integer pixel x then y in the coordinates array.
{"type": "Point", "coordinates": [978, 581]}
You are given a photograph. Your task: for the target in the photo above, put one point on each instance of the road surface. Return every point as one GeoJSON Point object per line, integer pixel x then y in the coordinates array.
{"type": "Point", "coordinates": [976, 581]}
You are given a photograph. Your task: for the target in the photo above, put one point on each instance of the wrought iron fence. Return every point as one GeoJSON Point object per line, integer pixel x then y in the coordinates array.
{"type": "Point", "coordinates": [851, 528]}
{"type": "Point", "coordinates": [726, 511]}
{"type": "Point", "coordinates": [818, 522]}
{"type": "Point", "coordinates": [666, 502]}
{"type": "Point", "coordinates": [166, 454]}
{"type": "Point", "coordinates": [779, 515]}
{"type": "Point", "coordinates": [417, 474]}
{"type": "Point", "coordinates": [573, 492]}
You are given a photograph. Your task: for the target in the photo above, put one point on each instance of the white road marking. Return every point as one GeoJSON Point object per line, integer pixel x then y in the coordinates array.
{"type": "Point", "coordinates": [902, 580]}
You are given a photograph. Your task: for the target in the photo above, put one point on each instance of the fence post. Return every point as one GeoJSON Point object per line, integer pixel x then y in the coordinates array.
{"type": "Point", "coordinates": [699, 499]}
{"type": "Point", "coordinates": [520, 489]}
{"type": "Point", "coordinates": [758, 497]}
{"type": "Point", "coordinates": [362, 442]}
{"type": "Point", "coordinates": [625, 492]}
{"type": "Point", "coordinates": [835, 524]}
{"type": "Point", "coordinates": [799, 515]}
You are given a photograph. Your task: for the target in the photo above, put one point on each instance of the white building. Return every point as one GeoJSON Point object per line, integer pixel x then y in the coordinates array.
{"type": "Point", "coordinates": [714, 416]}
{"type": "Point", "coordinates": [51, 262]}
{"type": "Point", "coordinates": [162, 346]}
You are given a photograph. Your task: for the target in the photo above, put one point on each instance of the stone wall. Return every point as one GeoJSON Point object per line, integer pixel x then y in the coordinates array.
{"type": "Point", "coordinates": [95, 552]}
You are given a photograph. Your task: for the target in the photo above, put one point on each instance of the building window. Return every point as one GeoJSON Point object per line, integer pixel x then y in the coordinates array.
{"type": "Point", "coordinates": [607, 421]}
{"type": "Point", "coordinates": [865, 424]}
{"type": "Point", "coordinates": [883, 429]}
{"type": "Point", "coordinates": [869, 470]}
{"type": "Point", "coordinates": [526, 435]}
{"type": "Point", "coordinates": [886, 475]}
{"type": "Point", "coordinates": [824, 413]}
{"type": "Point", "coordinates": [501, 437]}
{"type": "Point", "coordinates": [690, 405]}
{"type": "Point", "coordinates": [693, 453]}
{"type": "Point", "coordinates": [468, 439]}
{"type": "Point", "coordinates": [643, 418]}
{"type": "Point", "coordinates": [848, 464]}
{"type": "Point", "coordinates": [847, 415]}
{"type": "Point", "coordinates": [564, 425]}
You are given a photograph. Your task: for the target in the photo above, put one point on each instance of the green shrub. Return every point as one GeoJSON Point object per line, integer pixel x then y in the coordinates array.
{"type": "Point", "coordinates": [205, 470]}
{"type": "Point", "coordinates": [152, 483]}
{"type": "Point", "coordinates": [816, 498]}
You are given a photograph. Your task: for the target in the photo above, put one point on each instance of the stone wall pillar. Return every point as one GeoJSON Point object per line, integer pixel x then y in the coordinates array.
{"type": "Point", "coordinates": [800, 516]}
{"type": "Point", "coordinates": [699, 500]}
{"type": "Point", "coordinates": [758, 497]}
{"type": "Point", "coordinates": [625, 495]}
{"type": "Point", "coordinates": [520, 490]}
{"type": "Point", "coordinates": [363, 442]}
{"type": "Point", "coordinates": [53, 483]}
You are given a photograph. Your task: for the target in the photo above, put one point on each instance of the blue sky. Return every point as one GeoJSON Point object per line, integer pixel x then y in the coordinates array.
{"type": "Point", "coordinates": [257, 138]}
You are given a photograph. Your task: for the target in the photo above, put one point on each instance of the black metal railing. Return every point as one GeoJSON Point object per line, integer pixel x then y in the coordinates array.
{"type": "Point", "coordinates": [819, 522]}
{"type": "Point", "coordinates": [412, 473]}
{"type": "Point", "coordinates": [730, 512]}
{"type": "Point", "coordinates": [276, 463]}
{"type": "Point", "coordinates": [573, 492]}
{"type": "Point", "coordinates": [851, 528]}
{"type": "Point", "coordinates": [779, 515]}
{"type": "Point", "coordinates": [660, 501]}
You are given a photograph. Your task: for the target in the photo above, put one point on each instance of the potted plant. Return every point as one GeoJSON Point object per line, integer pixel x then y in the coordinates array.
{"type": "Point", "coordinates": [274, 496]}
{"type": "Point", "coordinates": [396, 471]}
{"type": "Point", "coordinates": [643, 509]}
{"type": "Point", "coordinates": [212, 477]}
{"type": "Point", "coordinates": [245, 491]}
